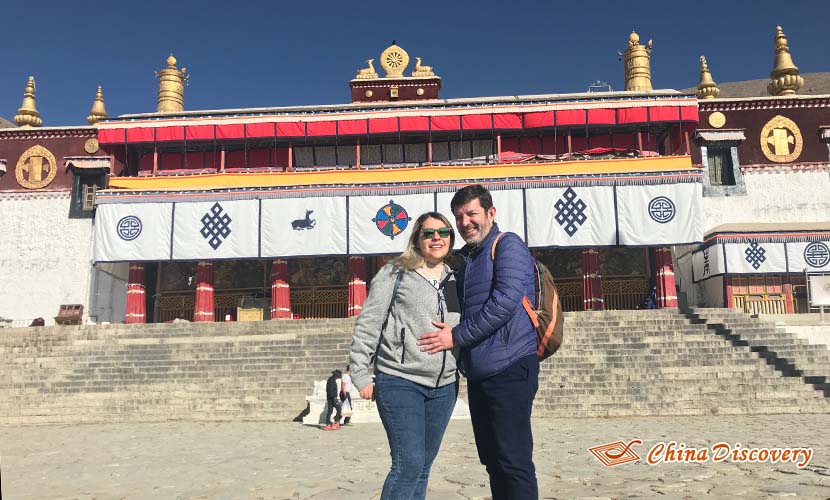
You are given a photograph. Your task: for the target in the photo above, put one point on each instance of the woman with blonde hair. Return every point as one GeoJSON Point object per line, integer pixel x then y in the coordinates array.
{"type": "Point", "coordinates": [415, 392]}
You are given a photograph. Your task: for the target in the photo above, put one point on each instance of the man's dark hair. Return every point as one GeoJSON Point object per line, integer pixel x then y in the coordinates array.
{"type": "Point", "coordinates": [469, 193]}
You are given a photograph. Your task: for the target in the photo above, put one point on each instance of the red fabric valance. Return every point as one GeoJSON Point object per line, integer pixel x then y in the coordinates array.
{"type": "Point", "coordinates": [632, 115]}
{"type": "Point", "coordinates": [445, 122]}
{"type": "Point", "coordinates": [291, 129]}
{"type": "Point", "coordinates": [142, 134]}
{"type": "Point", "coordinates": [602, 117]}
{"type": "Point", "coordinates": [538, 120]}
{"type": "Point", "coordinates": [110, 136]}
{"type": "Point", "coordinates": [414, 123]}
{"type": "Point", "coordinates": [234, 131]}
{"type": "Point", "coordinates": [507, 121]}
{"type": "Point", "coordinates": [199, 132]}
{"type": "Point", "coordinates": [570, 117]}
{"type": "Point", "coordinates": [664, 114]}
{"type": "Point", "coordinates": [689, 114]}
{"type": "Point", "coordinates": [165, 134]}
{"type": "Point", "coordinates": [316, 129]}
{"type": "Point", "coordinates": [254, 130]}
{"type": "Point", "coordinates": [351, 127]}
{"type": "Point", "coordinates": [383, 125]}
{"type": "Point", "coordinates": [476, 122]}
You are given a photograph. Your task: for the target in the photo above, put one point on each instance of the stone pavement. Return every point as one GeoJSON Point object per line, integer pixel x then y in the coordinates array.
{"type": "Point", "coordinates": [279, 460]}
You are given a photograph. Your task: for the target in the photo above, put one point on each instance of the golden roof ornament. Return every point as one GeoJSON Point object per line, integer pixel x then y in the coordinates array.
{"type": "Point", "coordinates": [707, 88]}
{"type": "Point", "coordinates": [98, 110]}
{"type": "Point", "coordinates": [367, 73]}
{"type": "Point", "coordinates": [637, 62]}
{"type": "Point", "coordinates": [28, 115]}
{"type": "Point", "coordinates": [421, 70]}
{"type": "Point", "coordinates": [171, 87]}
{"type": "Point", "coordinates": [394, 61]}
{"type": "Point", "coordinates": [784, 78]}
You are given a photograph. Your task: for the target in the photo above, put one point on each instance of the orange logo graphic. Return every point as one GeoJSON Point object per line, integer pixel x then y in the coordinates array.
{"type": "Point", "coordinates": [616, 453]}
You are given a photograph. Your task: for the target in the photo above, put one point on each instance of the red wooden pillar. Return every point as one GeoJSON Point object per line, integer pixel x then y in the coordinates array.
{"type": "Point", "coordinates": [203, 311]}
{"type": "Point", "coordinates": [280, 290]}
{"type": "Point", "coordinates": [592, 299]}
{"type": "Point", "coordinates": [730, 296]}
{"type": "Point", "coordinates": [789, 300]}
{"type": "Point", "coordinates": [357, 284]}
{"type": "Point", "coordinates": [664, 272]}
{"type": "Point", "coordinates": [136, 295]}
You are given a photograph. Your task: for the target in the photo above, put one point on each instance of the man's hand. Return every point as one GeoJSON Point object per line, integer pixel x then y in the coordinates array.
{"type": "Point", "coordinates": [368, 392]}
{"type": "Point", "coordinates": [441, 340]}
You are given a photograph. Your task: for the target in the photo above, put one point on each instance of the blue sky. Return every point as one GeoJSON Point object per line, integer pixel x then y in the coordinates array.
{"type": "Point", "coordinates": [273, 53]}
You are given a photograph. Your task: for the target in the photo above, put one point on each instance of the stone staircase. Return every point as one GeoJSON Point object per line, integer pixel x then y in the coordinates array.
{"type": "Point", "coordinates": [791, 355]}
{"type": "Point", "coordinates": [612, 363]}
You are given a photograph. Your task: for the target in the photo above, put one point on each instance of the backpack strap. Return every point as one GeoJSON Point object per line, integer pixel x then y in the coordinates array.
{"type": "Point", "coordinates": [388, 312]}
{"type": "Point", "coordinates": [528, 307]}
{"type": "Point", "coordinates": [493, 248]}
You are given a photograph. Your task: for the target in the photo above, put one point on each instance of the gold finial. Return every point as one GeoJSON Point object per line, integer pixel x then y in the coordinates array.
{"type": "Point", "coordinates": [707, 88]}
{"type": "Point", "coordinates": [367, 73]}
{"type": "Point", "coordinates": [421, 70]}
{"type": "Point", "coordinates": [98, 110]}
{"type": "Point", "coordinates": [637, 61]}
{"type": "Point", "coordinates": [171, 87]}
{"type": "Point", "coordinates": [784, 78]}
{"type": "Point", "coordinates": [394, 61]}
{"type": "Point", "coordinates": [28, 115]}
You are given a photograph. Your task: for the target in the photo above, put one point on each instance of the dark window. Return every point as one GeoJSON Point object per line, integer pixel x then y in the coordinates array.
{"type": "Point", "coordinates": [720, 167]}
{"type": "Point", "coordinates": [84, 186]}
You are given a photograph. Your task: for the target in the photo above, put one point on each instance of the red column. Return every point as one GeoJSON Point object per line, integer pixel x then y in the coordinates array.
{"type": "Point", "coordinates": [730, 296]}
{"type": "Point", "coordinates": [204, 292]}
{"type": "Point", "coordinates": [136, 298]}
{"type": "Point", "coordinates": [280, 290]}
{"type": "Point", "coordinates": [592, 299]}
{"type": "Point", "coordinates": [357, 284]}
{"type": "Point", "coordinates": [664, 272]}
{"type": "Point", "coordinates": [788, 293]}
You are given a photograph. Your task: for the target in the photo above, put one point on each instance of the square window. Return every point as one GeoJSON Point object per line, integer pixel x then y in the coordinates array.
{"type": "Point", "coordinates": [721, 168]}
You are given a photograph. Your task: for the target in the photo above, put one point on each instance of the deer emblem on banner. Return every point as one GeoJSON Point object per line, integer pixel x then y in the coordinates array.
{"type": "Point", "coordinates": [302, 224]}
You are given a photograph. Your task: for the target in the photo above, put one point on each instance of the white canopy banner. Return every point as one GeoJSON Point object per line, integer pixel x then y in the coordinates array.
{"type": "Point", "coordinates": [708, 262]}
{"type": "Point", "coordinates": [571, 216]}
{"type": "Point", "coordinates": [811, 257]}
{"type": "Point", "coordinates": [383, 224]}
{"type": "Point", "coordinates": [662, 214]}
{"type": "Point", "coordinates": [755, 258]}
{"type": "Point", "coordinates": [303, 226]}
{"type": "Point", "coordinates": [132, 232]}
{"type": "Point", "coordinates": [216, 230]}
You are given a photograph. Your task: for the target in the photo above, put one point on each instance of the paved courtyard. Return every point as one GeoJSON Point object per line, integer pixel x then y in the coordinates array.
{"type": "Point", "coordinates": [261, 460]}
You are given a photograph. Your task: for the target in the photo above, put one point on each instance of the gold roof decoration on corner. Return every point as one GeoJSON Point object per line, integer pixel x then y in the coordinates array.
{"type": "Point", "coordinates": [394, 61]}
{"type": "Point", "coordinates": [706, 88]}
{"type": "Point", "coordinates": [784, 78]}
{"type": "Point", "coordinates": [28, 115]}
{"type": "Point", "coordinates": [98, 110]}
{"type": "Point", "coordinates": [420, 70]}
{"type": "Point", "coordinates": [637, 63]}
{"type": "Point", "coordinates": [171, 87]}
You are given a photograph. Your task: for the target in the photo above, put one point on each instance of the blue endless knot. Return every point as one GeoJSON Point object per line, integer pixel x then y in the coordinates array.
{"type": "Point", "coordinates": [661, 209]}
{"type": "Point", "coordinates": [129, 228]}
{"type": "Point", "coordinates": [755, 255]}
{"type": "Point", "coordinates": [215, 226]}
{"type": "Point", "coordinates": [570, 212]}
{"type": "Point", "coordinates": [817, 254]}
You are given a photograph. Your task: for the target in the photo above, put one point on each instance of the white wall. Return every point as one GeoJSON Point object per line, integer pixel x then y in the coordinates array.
{"type": "Point", "coordinates": [44, 256]}
{"type": "Point", "coordinates": [108, 293]}
{"type": "Point", "coordinates": [773, 197]}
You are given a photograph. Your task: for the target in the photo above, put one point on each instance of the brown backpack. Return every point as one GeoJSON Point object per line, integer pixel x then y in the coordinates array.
{"type": "Point", "coordinates": [547, 315]}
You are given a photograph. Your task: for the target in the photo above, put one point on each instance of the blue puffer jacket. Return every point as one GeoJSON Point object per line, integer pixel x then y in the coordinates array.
{"type": "Point", "coordinates": [495, 330]}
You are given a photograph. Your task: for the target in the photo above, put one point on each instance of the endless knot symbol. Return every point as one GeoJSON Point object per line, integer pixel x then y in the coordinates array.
{"type": "Point", "coordinates": [570, 212]}
{"type": "Point", "coordinates": [706, 262]}
{"type": "Point", "coordinates": [817, 254]}
{"type": "Point", "coordinates": [755, 255]}
{"type": "Point", "coordinates": [215, 226]}
{"type": "Point", "coordinates": [661, 209]}
{"type": "Point", "coordinates": [129, 228]}
{"type": "Point", "coordinates": [392, 219]}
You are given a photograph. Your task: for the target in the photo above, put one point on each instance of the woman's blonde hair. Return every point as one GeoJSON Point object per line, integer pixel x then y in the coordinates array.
{"type": "Point", "coordinates": [411, 258]}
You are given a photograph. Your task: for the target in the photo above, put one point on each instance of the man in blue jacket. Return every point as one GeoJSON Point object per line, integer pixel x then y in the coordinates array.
{"type": "Point", "coordinates": [498, 344]}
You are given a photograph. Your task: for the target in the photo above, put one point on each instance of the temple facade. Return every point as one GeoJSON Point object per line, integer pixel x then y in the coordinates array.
{"type": "Point", "coordinates": [633, 199]}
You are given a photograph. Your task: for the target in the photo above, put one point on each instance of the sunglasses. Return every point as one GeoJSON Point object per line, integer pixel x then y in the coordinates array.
{"type": "Point", "coordinates": [443, 232]}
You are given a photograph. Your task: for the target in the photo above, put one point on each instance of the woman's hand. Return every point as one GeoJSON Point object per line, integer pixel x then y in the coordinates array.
{"type": "Point", "coordinates": [368, 392]}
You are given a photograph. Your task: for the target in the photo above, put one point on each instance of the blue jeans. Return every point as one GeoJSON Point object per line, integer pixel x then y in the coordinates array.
{"type": "Point", "coordinates": [500, 408]}
{"type": "Point", "coordinates": [415, 418]}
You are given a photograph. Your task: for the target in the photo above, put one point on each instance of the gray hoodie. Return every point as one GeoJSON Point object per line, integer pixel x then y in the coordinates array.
{"type": "Point", "coordinates": [417, 304]}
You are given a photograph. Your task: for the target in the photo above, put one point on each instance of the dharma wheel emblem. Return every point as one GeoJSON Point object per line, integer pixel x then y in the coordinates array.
{"type": "Point", "coordinates": [394, 61]}
{"type": "Point", "coordinates": [392, 219]}
{"type": "Point", "coordinates": [36, 168]}
{"type": "Point", "coordinates": [781, 140]}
